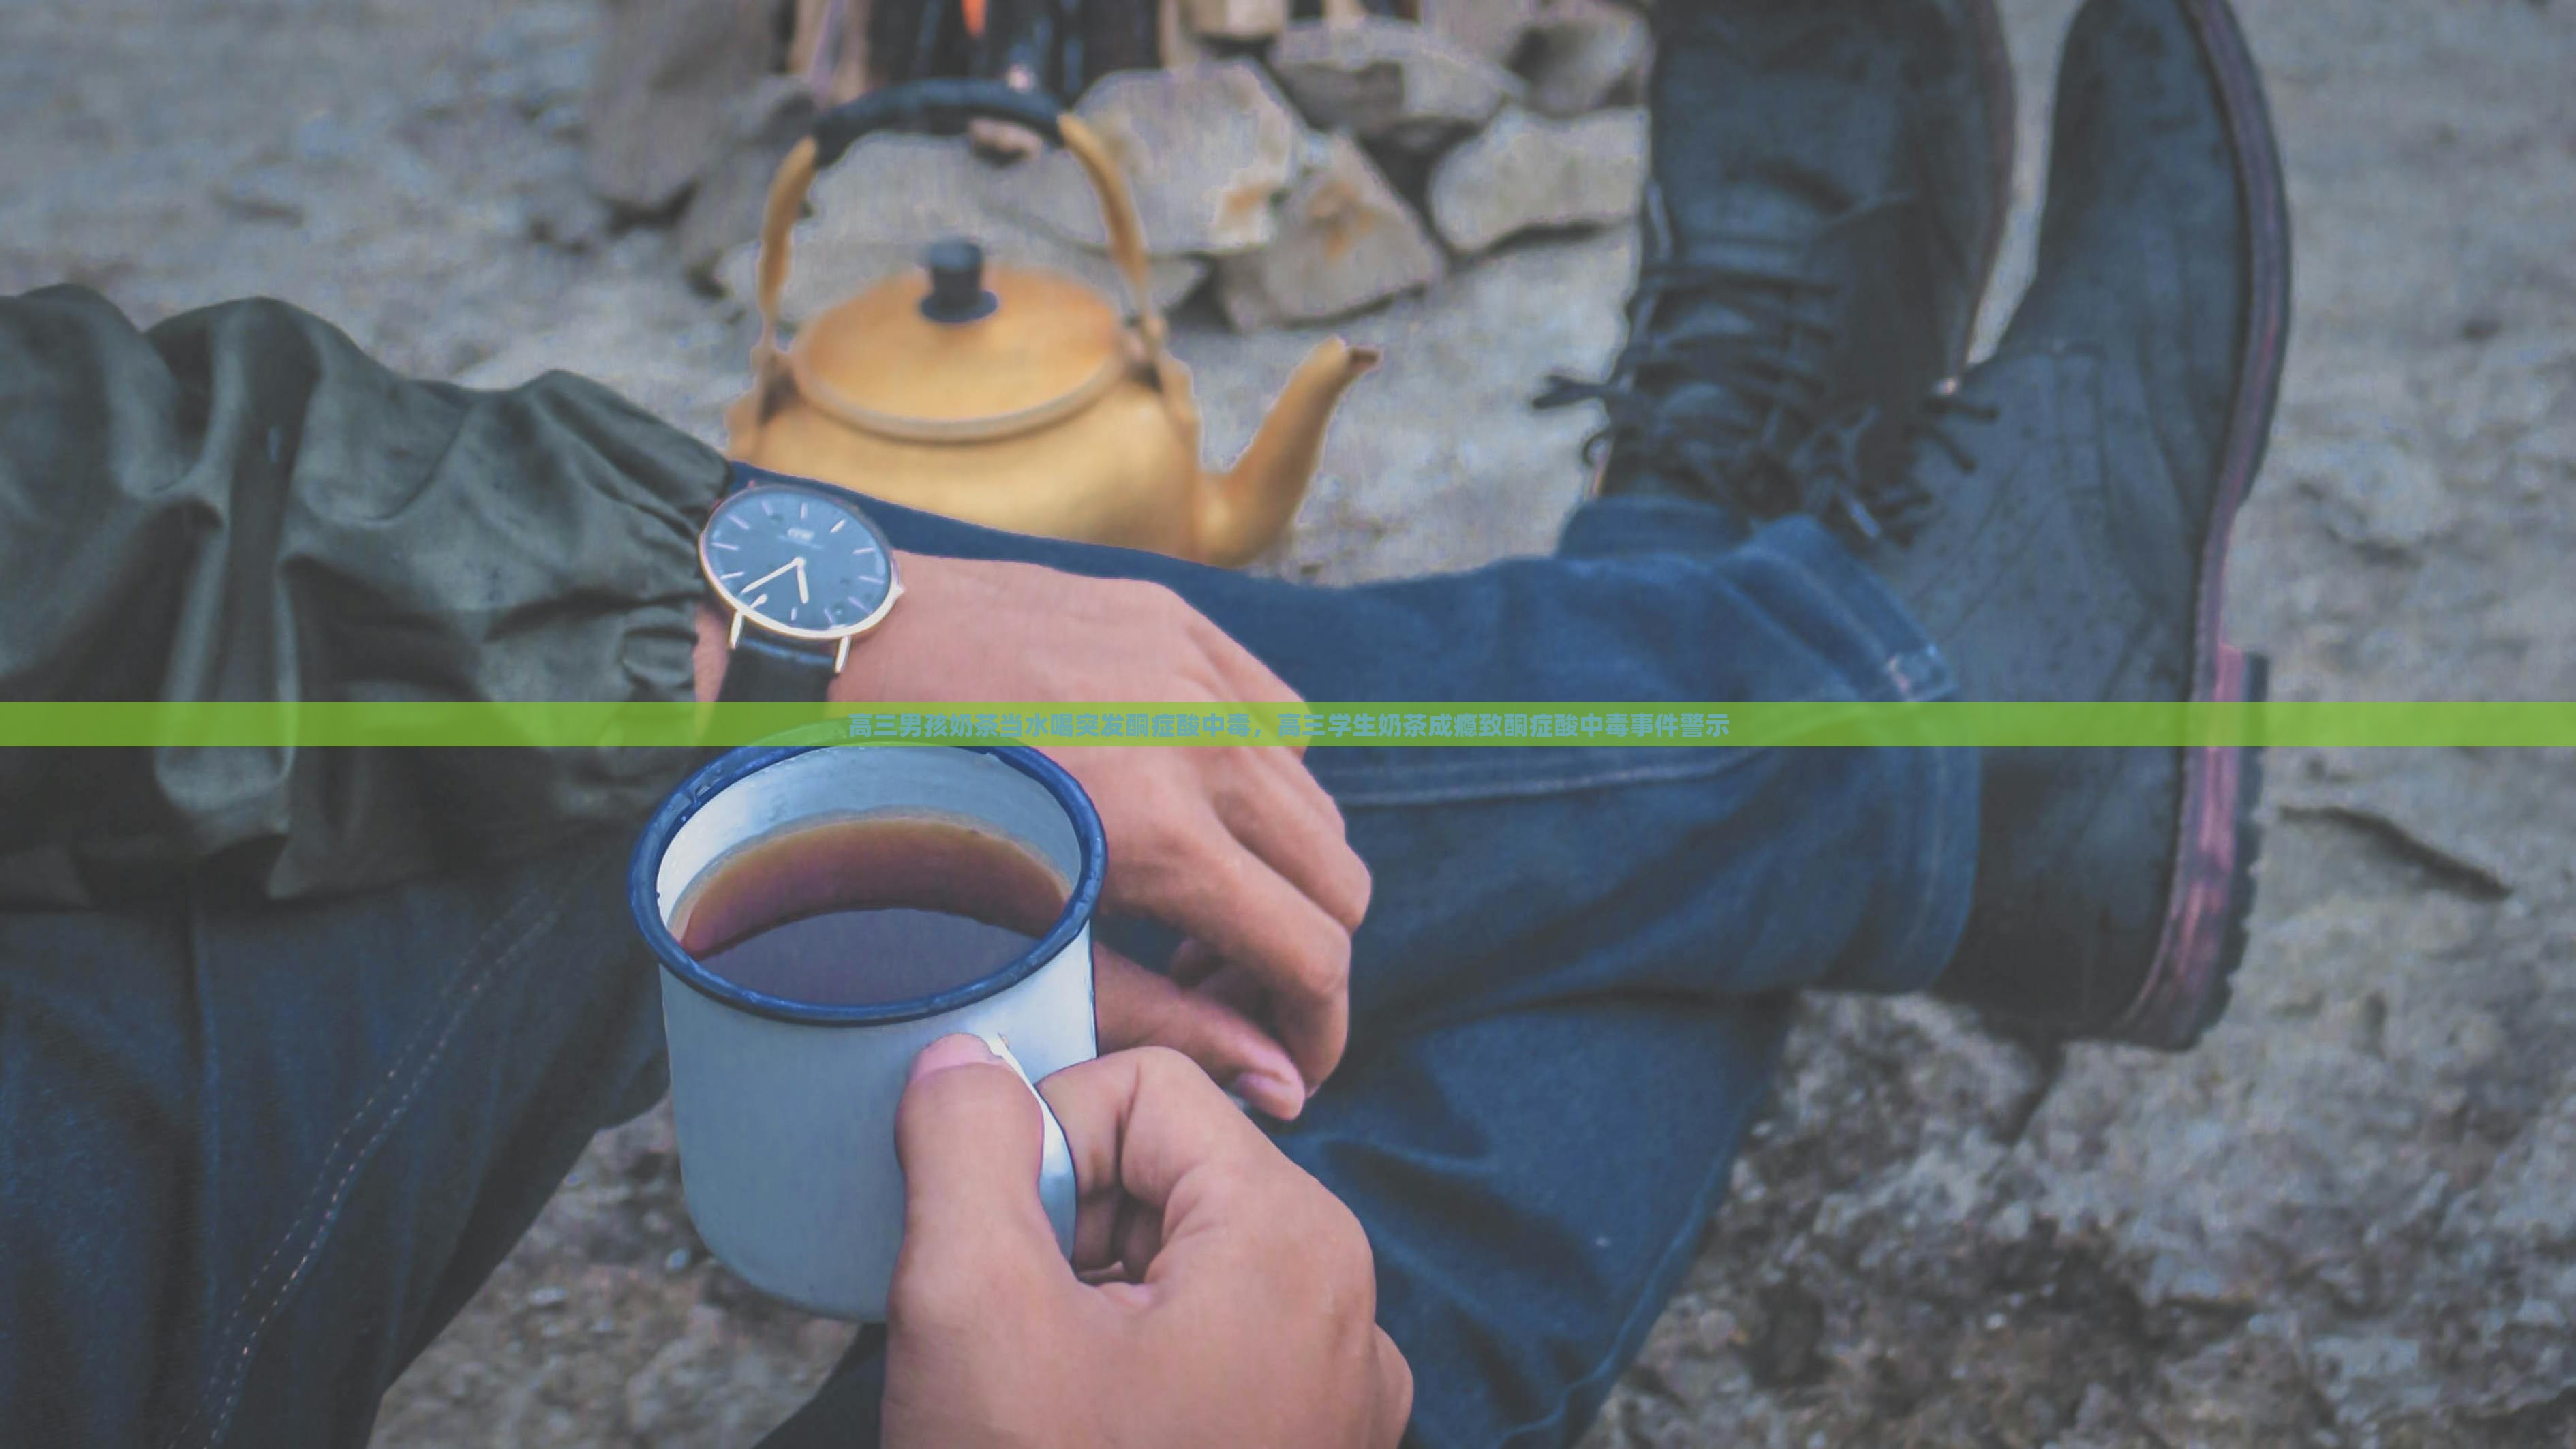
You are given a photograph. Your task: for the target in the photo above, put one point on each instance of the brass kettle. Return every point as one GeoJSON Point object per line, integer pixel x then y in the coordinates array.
{"type": "Point", "coordinates": [1016, 398]}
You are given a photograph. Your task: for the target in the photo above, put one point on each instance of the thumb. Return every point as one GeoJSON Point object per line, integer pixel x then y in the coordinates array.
{"type": "Point", "coordinates": [968, 1135]}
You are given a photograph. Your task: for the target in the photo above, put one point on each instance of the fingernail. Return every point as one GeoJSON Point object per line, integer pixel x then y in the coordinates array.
{"type": "Point", "coordinates": [1280, 1099]}
{"type": "Point", "coordinates": [951, 1051]}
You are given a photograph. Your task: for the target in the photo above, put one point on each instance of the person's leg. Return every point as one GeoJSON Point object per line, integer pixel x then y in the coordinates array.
{"type": "Point", "coordinates": [291, 1143]}
{"type": "Point", "coordinates": [254, 1158]}
{"type": "Point", "coordinates": [1631, 930]}
{"type": "Point", "coordinates": [1559, 1026]}
{"type": "Point", "coordinates": [1631, 918]}
{"type": "Point", "coordinates": [2086, 480]}
{"type": "Point", "coordinates": [1509, 875]}
{"type": "Point", "coordinates": [1534, 1184]}
{"type": "Point", "coordinates": [279, 1147]}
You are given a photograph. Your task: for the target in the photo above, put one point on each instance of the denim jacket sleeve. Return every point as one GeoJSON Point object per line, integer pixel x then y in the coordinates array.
{"type": "Point", "coordinates": [238, 504]}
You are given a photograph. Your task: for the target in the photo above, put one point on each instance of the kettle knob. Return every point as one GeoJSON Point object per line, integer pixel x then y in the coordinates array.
{"type": "Point", "coordinates": [957, 294]}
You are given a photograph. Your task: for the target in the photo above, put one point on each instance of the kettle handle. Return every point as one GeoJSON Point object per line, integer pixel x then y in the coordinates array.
{"type": "Point", "coordinates": [943, 106]}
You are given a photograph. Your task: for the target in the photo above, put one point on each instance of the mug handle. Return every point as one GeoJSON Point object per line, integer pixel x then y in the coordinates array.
{"type": "Point", "coordinates": [1058, 1193]}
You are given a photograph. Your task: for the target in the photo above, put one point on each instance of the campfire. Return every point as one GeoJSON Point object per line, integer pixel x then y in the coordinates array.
{"type": "Point", "coordinates": [1292, 162]}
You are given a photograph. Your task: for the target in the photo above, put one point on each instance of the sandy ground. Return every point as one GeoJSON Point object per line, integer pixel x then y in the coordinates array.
{"type": "Point", "coordinates": [2349, 1219]}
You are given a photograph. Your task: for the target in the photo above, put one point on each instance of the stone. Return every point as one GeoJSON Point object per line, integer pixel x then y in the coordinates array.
{"type": "Point", "coordinates": [1208, 149]}
{"type": "Point", "coordinates": [1525, 172]}
{"type": "Point", "coordinates": [661, 100]}
{"type": "Point", "coordinates": [560, 211]}
{"type": "Point", "coordinates": [724, 211]}
{"type": "Point", "coordinates": [893, 195]}
{"type": "Point", "coordinates": [1388, 81]}
{"type": "Point", "coordinates": [2510, 389]}
{"type": "Point", "coordinates": [2214, 1397]}
{"type": "Point", "coordinates": [2522, 1202]}
{"type": "Point", "coordinates": [542, 76]}
{"type": "Point", "coordinates": [1234, 20]}
{"type": "Point", "coordinates": [1584, 54]}
{"type": "Point", "coordinates": [1172, 37]}
{"type": "Point", "coordinates": [2381, 493]}
{"type": "Point", "coordinates": [265, 194]}
{"type": "Point", "coordinates": [1785, 1348]}
{"type": "Point", "coordinates": [1490, 28]}
{"type": "Point", "coordinates": [1346, 242]}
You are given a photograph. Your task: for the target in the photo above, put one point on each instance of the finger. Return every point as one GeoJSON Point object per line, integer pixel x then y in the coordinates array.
{"type": "Point", "coordinates": [1273, 804]}
{"type": "Point", "coordinates": [1194, 962]}
{"type": "Point", "coordinates": [1115, 1238]}
{"type": "Point", "coordinates": [968, 1136]}
{"type": "Point", "coordinates": [1294, 773]}
{"type": "Point", "coordinates": [1215, 891]}
{"type": "Point", "coordinates": [1138, 1240]}
{"type": "Point", "coordinates": [1100, 1214]}
{"type": "Point", "coordinates": [1394, 1393]}
{"type": "Point", "coordinates": [1138, 1008]}
{"type": "Point", "coordinates": [1237, 988]}
{"type": "Point", "coordinates": [1147, 1121]}
{"type": "Point", "coordinates": [1242, 991]}
{"type": "Point", "coordinates": [1212, 1201]}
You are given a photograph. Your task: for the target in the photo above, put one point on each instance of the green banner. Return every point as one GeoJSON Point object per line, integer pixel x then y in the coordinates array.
{"type": "Point", "coordinates": [2370, 723]}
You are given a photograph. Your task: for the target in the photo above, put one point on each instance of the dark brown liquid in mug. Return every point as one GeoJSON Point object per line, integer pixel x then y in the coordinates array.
{"type": "Point", "coordinates": [868, 910]}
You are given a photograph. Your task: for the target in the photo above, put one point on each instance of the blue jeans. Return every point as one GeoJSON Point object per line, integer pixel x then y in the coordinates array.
{"type": "Point", "coordinates": [254, 1157]}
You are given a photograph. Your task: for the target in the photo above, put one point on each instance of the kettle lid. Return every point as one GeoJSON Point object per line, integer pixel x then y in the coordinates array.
{"type": "Point", "coordinates": [957, 351]}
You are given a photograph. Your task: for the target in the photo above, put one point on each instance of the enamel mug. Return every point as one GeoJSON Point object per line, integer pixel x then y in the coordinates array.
{"type": "Point", "coordinates": [786, 1109]}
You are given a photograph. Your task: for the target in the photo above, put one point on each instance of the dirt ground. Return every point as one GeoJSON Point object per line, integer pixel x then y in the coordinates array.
{"type": "Point", "coordinates": [2348, 1220]}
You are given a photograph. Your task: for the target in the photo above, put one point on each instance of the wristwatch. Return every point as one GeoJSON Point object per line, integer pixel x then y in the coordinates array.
{"type": "Point", "coordinates": [803, 572]}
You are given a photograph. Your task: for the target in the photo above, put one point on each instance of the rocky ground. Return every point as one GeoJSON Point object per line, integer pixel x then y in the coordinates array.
{"type": "Point", "coordinates": [2349, 1219]}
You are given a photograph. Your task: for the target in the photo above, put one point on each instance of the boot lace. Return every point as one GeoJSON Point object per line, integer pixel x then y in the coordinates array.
{"type": "Point", "coordinates": [1737, 450]}
{"type": "Point", "coordinates": [1832, 486]}
{"type": "Point", "coordinates": [1879, 509]}
{"type": "Point", "coordinates": [1758, 337]}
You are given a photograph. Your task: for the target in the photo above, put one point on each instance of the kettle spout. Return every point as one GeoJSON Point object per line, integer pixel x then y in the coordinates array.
{"type": "Point", "coordinates": [1239, 514]}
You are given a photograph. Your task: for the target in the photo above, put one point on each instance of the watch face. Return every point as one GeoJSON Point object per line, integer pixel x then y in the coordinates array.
{"type": "Point", "coordinates": [798, 563]}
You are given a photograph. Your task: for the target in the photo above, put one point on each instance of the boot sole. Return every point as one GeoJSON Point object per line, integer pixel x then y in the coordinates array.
{"type": "Point", "coordinates": [2202, 943]}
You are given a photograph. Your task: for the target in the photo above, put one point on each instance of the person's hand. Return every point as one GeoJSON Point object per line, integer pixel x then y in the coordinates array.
{"type": "Point", "coordinates": [1237, 848]}
{"type": "Point", "coordinates": [1223, 1297]}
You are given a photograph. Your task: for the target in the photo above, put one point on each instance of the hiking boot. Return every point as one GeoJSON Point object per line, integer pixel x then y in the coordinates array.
{"type": "Point", "coordinates": [1828, 191]}
{"type": "Point", "coordinates": [2081, 484]}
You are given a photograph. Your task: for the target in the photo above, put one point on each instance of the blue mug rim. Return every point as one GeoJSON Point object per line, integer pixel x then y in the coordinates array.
{"type": "Point", "coordinates": [643, 890]}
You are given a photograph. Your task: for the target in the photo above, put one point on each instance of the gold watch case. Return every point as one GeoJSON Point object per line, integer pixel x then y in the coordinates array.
{"type": "Point", "coordinates": [744, 613]}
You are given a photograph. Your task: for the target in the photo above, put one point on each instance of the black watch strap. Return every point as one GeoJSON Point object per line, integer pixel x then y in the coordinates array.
{"type": "Point", "coordinates": [768, 671]}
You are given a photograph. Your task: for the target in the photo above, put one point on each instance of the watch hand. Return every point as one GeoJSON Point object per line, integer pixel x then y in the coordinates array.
{"type": "Point", "coordinates": [801, 596]}
{"type": "Point", "coordinates": [773, 573]}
